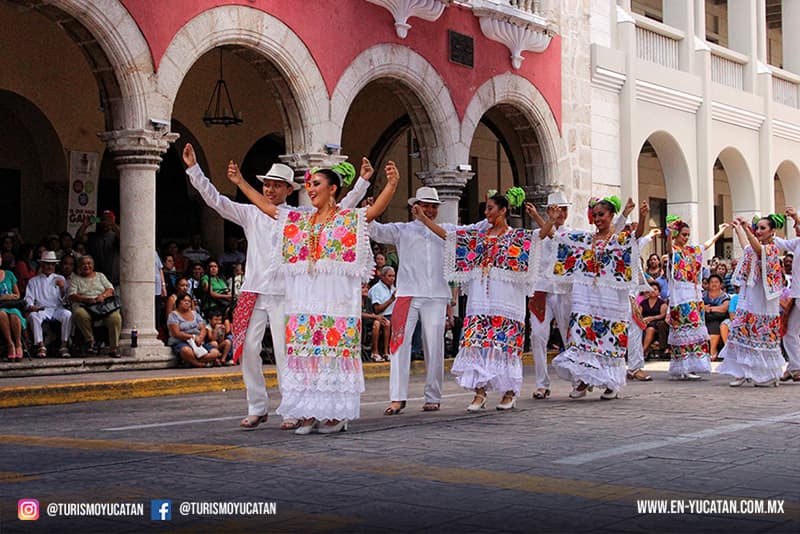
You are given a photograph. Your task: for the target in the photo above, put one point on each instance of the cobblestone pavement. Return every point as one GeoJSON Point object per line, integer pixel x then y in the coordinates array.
{"type": "Point", "coordinates": [556, 465]}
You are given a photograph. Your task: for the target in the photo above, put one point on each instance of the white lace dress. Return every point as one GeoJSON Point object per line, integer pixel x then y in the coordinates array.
{"type": "Point", "coordinates": [497, 275]}
{"type": "Point", "coordinates": [688, 335]}
{"type": "Point", "coordinates": [753, 349]}
{"type": "Point", "coordinates": [324, 378]}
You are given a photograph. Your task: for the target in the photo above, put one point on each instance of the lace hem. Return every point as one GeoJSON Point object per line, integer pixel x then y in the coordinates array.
{"type": "Point", "coordinates": [688, 336]}
{"type": "Point", "coordinates": [491, 368]}
{"type": "Point", "coordinates": [689, 363]}
{"type": "Point", "coordinates": [577, 366]}
{"type": "Point", "coordinates": [325, 374]}
{"type": "Point", "coordinates": [743, 362]}
{"type": "Point", "coordinates": [320, 405]}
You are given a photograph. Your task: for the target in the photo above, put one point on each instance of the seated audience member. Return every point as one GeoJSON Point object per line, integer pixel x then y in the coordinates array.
{"type": "Point", "coordinates": [87, 287]}
{"type": "Point", "coordinates": [195, 251]}
{"type": "Point", "coordinates": [654, 314]}
{"type": "Point", "coordinates": [371, 323]}
{"type": "Point", "coordinates": [45, 297]}
{"type": "Point", "coordinates": [25, 268]}
{"type": "Point", "coordinates": [196, 285]}
{"type": "Point", "coordinates": [181, 261]}
{"type": "Point", "coordinates": [170, 273]}
{"type": "Point", "coordinates": [8, 261]}
{"type": "Point", "coordinates": [215, 290]}
{"type": "Point", "coordinates": [102, 244]}
{"type": "Point", "coordinates": [66, 267]}
{"type": "Point", "coordinates": [219, 336]}
{"type": "Point", "coordinates": [382, 297]}
{"type": "Point", "coordinates": [716, 303]}
{"type": "Point", "coordinates": [380, 263]}
{"type": "Point", "coordinates": [187, 332]}
{"type": "Point", "coordinates": [654, 271]}
{"type": "Point", "coordinates": [11, 320]}
{"type": "Point", "coordinates": [181, 288]}
{"type": "Point", "coordinates": [725, 326]}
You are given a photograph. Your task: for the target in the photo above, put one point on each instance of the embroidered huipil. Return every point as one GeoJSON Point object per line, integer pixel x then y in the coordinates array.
{"type": "Point", "coordinates": [497, 272]}
{"type": "Point", "coordinates": [602, 275]}
{"type": "Point", "coordinates": [688, 335]}
{"type": "Point", "coordinates": [324, 378]}
{"type": "Point", "coordinates": [753, 349]}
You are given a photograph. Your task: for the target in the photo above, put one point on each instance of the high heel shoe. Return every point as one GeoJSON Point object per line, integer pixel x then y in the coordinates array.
{"type": "Point", "coordinates": [476, 407]}
{"type": "Point", "coordinates": [735, 383]}
{"type": "Point", "coordinates": [306, 429]}
{"type": "Point", "coordinates": [609, 394]}
{"type": "Point", "coordinates": [341, 426]}
{"type": "Point", "coordinates": [580, 390]}
{"type": "Point", "coordinates": [508, 405]}
{"type": "Point", "coordinates": [768, 384]}
{"type": "Point", "coordinates": [541, 393]}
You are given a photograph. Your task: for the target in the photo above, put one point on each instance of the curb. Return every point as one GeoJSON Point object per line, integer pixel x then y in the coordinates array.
{"type": "Point", "coordinates": [47, 394]}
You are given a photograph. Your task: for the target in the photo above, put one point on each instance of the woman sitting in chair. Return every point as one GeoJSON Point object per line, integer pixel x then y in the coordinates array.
{"type": "Point", "coordinates": [11, 320]}
{"type": "Point", "coordinates": [86, 288]}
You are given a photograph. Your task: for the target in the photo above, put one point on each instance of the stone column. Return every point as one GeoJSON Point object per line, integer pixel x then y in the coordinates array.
{"type": "Point", "coordinates": [449, 183]}
{"type": "Point", "coordinates": [680, 14]}
{"type": "Point", "coordinates": [301, 162]}
{"type": "Point", "coordinates": [702, 219]}
{"type": "Point", "coordinates": [137, 154]}
{"type": "Point", "coordinates": [743, 36]}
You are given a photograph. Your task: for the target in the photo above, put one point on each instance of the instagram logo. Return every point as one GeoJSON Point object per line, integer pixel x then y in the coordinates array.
{"type": "Point", "coordinates": [28, 509]}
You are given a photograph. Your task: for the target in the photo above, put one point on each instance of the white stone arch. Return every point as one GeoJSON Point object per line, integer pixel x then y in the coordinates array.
{"type": "Point", "coordinates": [744, 199]}
{"type": "Point", "coordinates": [789, 174]}
{"type": "Point", "coordinates": [674, 167]}
{"type": "Point", "coordinates": [109, 37]}
{"type": "Point", "coordinates": [423, 92]}
{"type": "Point", "coordinates": [536, 116]}
{"type": "Point", "coordinates": [290, 71]}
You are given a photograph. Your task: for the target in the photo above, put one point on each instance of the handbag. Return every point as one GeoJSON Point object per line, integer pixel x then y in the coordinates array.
{"type": "Point", "coordinates": [101, 309]}
{"type": "Point", "coordinates": [199, 350]}
{"type": "Point", "coordinates": [19, 304]}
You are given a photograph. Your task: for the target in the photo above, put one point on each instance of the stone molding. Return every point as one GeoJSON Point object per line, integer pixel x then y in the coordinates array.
{"type": "Point", "coordinates": [449, 183]}
{"type": "Point", "coordinates": [138, 146]}
{"type": "Point", "coordinates": [786, 130]}
{"type": "Point", "coordinates": [402, 10]}
{"type": "Point", "coordinates": [608, 79]}
{"type": "Point", "coordinates": [664, 96]}
{"type": "Point", "coordinates": [518, 30]}
{"type": "Point", "coordinates": [736, 116]}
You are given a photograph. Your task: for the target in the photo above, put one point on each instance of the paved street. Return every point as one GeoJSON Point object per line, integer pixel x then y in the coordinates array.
{"type": "Point", "coordinates": [558, 465]}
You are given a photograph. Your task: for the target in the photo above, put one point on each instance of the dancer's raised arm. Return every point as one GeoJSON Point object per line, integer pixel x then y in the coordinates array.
{"type": "Point", "coordinates": [382, 202]}
{"type": "Point", "coordinates": [644, 213]}
{"type": "Point", "coordinates": [236, 178]}
{"type": "Point", "coordinates": [424, 219]}
{"type": "Point", "coordinates": [722, 227]}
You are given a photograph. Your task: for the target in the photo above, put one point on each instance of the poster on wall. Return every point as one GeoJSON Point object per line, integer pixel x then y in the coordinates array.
{"type": "Point", "coordinates": [84, 170]}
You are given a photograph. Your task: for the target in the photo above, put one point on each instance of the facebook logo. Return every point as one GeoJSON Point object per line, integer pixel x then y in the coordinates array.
{"type": "Point", "coordinates": [160, 510]}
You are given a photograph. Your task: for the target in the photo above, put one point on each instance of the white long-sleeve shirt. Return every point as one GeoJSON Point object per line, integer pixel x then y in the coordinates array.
{"type": "Point", "coordinates": [261, 230]}
{"type": "Point", "coordinates": [43, 291]}
{"type": "Point", "coordinates": [421, 254]}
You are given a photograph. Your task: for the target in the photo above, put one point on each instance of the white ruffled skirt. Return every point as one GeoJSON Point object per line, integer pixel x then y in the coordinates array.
{"type": "Point", "coordinates": [745, 362]}
{"type": "Point", "coordinates": [576, 366]}
{"type": "Point", "coordinates": [490, 368]}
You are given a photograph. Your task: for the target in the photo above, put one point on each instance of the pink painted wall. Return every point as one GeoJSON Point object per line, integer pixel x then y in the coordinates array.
{"type": "Point", "coordinates": [336, 31]}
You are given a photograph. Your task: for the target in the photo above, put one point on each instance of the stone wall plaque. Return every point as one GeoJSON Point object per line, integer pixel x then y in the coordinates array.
{"type": "Point", "coordinates": [462, 49]}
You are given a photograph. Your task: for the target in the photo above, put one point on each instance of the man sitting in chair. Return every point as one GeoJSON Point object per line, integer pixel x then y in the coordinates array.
{"type": "Point", "coordinates": [45, 298]}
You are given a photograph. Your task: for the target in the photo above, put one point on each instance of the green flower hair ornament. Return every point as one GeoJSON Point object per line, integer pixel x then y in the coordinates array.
{"type": "Point", "coordinates": [614, 201]}
{"type": "Point", "coordinates": [778, 220]}
{"type": "Point", "coordinates": [515, 196]}
{"type": "Point", "coordinates": [346, 170]}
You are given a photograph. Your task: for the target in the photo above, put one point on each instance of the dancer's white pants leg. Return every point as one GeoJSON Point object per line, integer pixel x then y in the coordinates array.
{"type": "Point", "coordinates": [635, 349]}
{"type": "Point", "coordinates": [268, 308]}
{"type": "Point", "coordinates": [791, 341]}
{"type": "Point", "coordinates": [557, 306]}
{"type": "Point", "coordinates": [432, 313]}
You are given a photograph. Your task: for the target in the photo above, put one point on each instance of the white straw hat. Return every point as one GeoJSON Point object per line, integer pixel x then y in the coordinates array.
{"type": "Point", "coordinates": [280, 172]}
{"type": "Point", "coordinates": [425, 194]}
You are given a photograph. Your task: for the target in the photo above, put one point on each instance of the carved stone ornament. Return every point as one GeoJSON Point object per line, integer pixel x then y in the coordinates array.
{"type": "Point", "coordinates": [402, 10]}
{"type": "Point", "coordinates": [518, 30]}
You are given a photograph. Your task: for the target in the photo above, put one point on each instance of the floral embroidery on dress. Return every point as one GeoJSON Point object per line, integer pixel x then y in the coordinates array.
{"type": "Point", "coordinates": [687, 262]}
{"type": "Point", "coordinates": [687, 315]}
{"type": "Point", "coordinates": [337, 240]}
{"type": "Point", "coordinates": [476, 249]}
{"type": "Point", "coordinates": [773, 271]}
{"type": "Point", "coordinates": [756, 330]}
{"type": "Point", "coordinates": [683, 352]}
{"type": "Point", "coordinates": [752, 270]}
{"type": "Point", "coordinates": [580, 254]}
{"type": "Point", "coordinates": [323, 335]}
{"type": "Point", "coordinates": [493, 331]}
{"type": "Point", "coordinates": [598, 335]}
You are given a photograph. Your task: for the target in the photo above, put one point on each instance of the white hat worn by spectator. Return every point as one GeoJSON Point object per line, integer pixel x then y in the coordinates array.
{"type": "Point", "coordinates": [281, 173]}
{"type": "Point", "coordinates": [49, 256]}
{"type": "Point", "coordinates": [428, 195]}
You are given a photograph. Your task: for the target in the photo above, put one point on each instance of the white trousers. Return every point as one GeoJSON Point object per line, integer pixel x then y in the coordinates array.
{"type": "Point", "coordinates": [635, 348]}
{"type": "Point", "coordinates": [268, 308]}
{"type": "Point", "coordinates": [791, 341]}
{"type": "Point", "coordinates": [56, 314]}
{"type": "Point", "coordinates": [558, 307]}
{"type": "Point", "coordinates": [432, 312]}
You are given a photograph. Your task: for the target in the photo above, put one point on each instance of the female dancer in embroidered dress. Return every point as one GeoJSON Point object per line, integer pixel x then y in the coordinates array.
{"type": "Point", "coordinates": [753, 351]}
{"type": "Point", "coordinates": [325, 254]}
{"type": "Point", "coordinates": [603, 268]}
{"type": "Point", "coordinates": [495, 265]}
{"type": "Point", "coordinates": [688, 336]}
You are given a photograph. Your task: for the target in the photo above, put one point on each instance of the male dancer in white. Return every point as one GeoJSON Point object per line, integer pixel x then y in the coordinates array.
{"type": "Point", "coordinates": [422, 295]}
{"type": "Point", "coordinates": [552, 300]}
{"type": "Point", "coordinates": [791, 341]}
{"type": "Point", "coordinates": [263, 290]}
